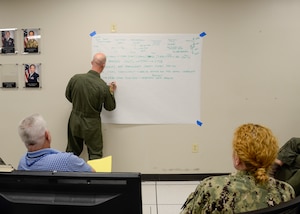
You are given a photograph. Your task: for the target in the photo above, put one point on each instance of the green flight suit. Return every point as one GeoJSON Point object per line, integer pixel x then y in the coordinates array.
{"type": "Point", "coordinates": [88, 93]}
{"type": "Point", "coordinates": [289, 154]}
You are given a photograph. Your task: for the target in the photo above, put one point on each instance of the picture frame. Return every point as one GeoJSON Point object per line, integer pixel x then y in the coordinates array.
{"type": "Point", "coordinates": [9, 76]}
{"type": "Point", "coordinates": [31, 41]}
{"type": "Point", "coordinates": [32, 75]}
{"type": "Point", "coordinates": [8, 41]}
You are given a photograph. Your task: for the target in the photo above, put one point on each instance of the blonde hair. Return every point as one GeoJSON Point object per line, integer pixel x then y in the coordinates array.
{"type": "Point", "coordinates": [257, 147]}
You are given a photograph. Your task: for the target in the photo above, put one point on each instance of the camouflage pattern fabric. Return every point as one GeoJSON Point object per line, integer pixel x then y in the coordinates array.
{"type": "Point", "coordinates": [235, 193]}
{"type": "Point", "coordinates": [32, 43]}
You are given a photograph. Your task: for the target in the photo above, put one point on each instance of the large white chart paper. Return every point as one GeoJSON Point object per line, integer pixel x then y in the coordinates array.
{"type": "Point", "coordinates": [157, 77]}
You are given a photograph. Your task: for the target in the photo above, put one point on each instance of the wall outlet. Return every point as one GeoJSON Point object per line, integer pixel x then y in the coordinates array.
{"type": "Point", "coordinates": [195, 148]}
{"type": "Point", "coordinates": [113, 28]}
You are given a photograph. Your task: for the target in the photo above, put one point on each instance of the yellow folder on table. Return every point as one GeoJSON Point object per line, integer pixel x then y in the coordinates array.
{"type": "Point", "coordinates": [101, 164]}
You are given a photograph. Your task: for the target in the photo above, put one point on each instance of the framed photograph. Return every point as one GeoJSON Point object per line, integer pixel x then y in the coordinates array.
{"type": "Point", "coordinates": [8, 41]}
{"type": "Point", "coordinates": [9, 75]}
{"type": "Point", "coordinates": [32, 75]}
{"type": "Point", "coordinates": [31, 38]}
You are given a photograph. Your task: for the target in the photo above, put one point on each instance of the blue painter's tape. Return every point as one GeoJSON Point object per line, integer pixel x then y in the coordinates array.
{"type": "Point", "coordinates": [202, 34]}
{"type": "Point", "coordinates": [199, 123]}
{"type": "Point", "coordinates": [93, 33]}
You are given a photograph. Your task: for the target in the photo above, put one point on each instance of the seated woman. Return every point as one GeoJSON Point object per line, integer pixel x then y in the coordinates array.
{"type": "Point", "coordinates": [250, 187]}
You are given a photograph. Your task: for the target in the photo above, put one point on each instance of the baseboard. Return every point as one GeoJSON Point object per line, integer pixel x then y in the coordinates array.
{"type": "Point", "coordinates": [178, 177]}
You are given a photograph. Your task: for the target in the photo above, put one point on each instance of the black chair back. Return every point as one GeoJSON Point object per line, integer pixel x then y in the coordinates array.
{"type": "Point", "coordinates": [289, 207]}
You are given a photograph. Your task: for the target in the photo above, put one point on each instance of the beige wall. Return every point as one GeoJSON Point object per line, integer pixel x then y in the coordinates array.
{"type": "Point", "coordinates": [250, 73]}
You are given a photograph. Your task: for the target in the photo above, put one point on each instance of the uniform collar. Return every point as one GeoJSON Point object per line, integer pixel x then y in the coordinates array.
{"type": "Point", "coordinates": [95, 73]}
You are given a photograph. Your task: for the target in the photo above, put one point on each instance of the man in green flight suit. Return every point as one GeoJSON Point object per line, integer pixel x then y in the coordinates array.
{"type": "Point", "coordinates": [88, 93]}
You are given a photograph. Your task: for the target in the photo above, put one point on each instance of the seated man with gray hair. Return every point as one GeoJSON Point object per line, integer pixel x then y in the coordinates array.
{"type": "Point", "coordinates": [40, 156]}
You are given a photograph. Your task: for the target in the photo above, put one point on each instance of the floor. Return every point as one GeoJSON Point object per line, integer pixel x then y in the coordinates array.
{"type": "Point", "coordinates": [165, 197]}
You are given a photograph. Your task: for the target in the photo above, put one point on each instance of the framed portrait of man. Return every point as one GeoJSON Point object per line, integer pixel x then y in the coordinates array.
{"type": "Point", "coordinates": [8, 41]}
{"type": "Point", "coordinates": [31, 38]}
{"type": "Point", "coordinates": [32, 75]}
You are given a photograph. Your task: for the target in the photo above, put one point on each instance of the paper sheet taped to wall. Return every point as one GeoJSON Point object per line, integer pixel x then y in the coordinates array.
{"type": "Point", "coordinates": [157, 76]}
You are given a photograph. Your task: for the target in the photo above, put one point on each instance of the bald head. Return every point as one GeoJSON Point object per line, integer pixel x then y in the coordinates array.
{"type": "Point", "coordinates": [98, 62]}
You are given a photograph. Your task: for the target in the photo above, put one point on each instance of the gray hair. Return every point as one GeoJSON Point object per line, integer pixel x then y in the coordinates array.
{"type": "Point", "coordinates": [32, 130]}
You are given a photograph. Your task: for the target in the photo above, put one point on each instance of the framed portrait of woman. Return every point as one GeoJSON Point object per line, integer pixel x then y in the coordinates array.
{"type": "Point", "coordinates": [31, 40]}
{"type": "Point", "coordinates": [32, 75]}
